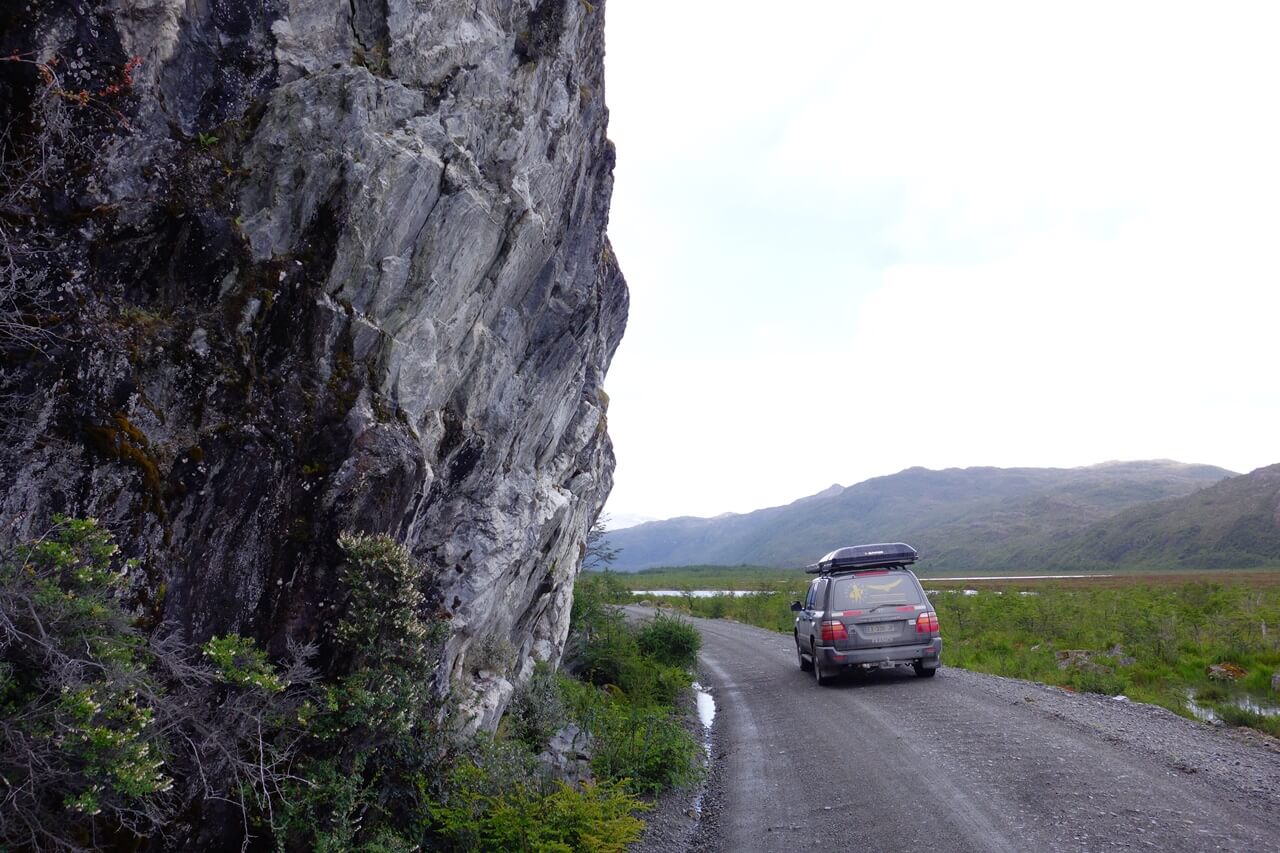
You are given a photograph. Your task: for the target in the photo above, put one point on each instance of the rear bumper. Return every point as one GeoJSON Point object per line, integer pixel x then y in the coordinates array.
{"type": "Point", "coordinates": [927, 654]}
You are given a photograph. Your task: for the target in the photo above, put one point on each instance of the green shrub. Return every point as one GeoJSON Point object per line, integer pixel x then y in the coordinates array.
{"type": "Point", "coordinates": [670, 641]}
{"type": "Point", "coordinates": [1088, 681]}
{"type": "Point", "coordinates": [386, 772]}
{"type": "Point", "coordinates": [537, 711]}
{"type": "Point", "coordinates": [491, 653]}
{"type": "Point", "coordinates": [325, 809]}
{"type": "Point", "coordinates": [646, 747]}
{"type": "Point", "coordinates": [239, 661]}
{"type": "Point", "coordinates": [646, 683]}
{"type": "Point", "coordinates": [768, 607]}
{"type": "Point", "coordinates": [78, 742]}
{"type": "Point", "coordinates": [602, 649]}
{"type": "Point", "coordinates": [634, 678]}
{"type": "Point", "coordinates": [385, 618]}
{"type": "Point", "coordinates": [379, 746]}
{"type": "Point", "coordinates": [614, 659]}
{"type": "Point", "coordinates": [479, 815]}
{"type": "Point", "coordinates": [594, 595]}
{"type": "Point", "coordinates": [105, 732]}
{"type": "Point", "coordinates": [495, 798]}
{"type": "Point", "coordinates": [717, 607]}
{"type": "Point", "coordinates": [1212, 692]}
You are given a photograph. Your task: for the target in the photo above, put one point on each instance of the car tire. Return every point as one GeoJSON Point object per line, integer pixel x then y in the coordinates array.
{"type": "Point", "coordinates": [805, 665]}
{"type": "Point", "coordinates": [924, 672]}
{"type": "Point", "coordinates": [818, 674]}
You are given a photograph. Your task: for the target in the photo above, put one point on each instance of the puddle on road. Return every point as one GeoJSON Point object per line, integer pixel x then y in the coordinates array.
{"type": "Point", "coordinates": [706, 706]}
{"type": "Point", "coordinates": [706, 715]}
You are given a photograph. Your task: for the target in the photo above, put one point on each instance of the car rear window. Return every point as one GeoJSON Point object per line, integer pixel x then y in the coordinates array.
{"type": "Point", "coordinates": [862, 591]}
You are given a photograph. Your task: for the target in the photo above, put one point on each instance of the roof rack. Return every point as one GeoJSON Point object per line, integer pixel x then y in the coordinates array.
{"type": "Point", "coordinates": [884, 555]}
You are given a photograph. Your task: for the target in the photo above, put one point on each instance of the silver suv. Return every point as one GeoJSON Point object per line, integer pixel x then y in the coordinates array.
{"type": "Point", "coordinates": [866, 610]}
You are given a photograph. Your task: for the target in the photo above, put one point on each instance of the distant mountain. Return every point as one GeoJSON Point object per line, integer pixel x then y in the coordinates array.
{"type": "Point", "coordinates": [1233, 524]}
{"type": "Point", "coordinates": [623, 520]}
{"type": "Point", "coordinates": [970, 518]}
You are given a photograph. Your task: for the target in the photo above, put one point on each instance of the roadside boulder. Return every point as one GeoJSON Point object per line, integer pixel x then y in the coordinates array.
{"type": "Point", "coordinates": [567, 757]}
{"type": "Point", "coordinates": [1080, 659]}
{"type": "Point", "coordinates": [1225, 672]}
{"type": "Point", "coordinates": [1117, 654]}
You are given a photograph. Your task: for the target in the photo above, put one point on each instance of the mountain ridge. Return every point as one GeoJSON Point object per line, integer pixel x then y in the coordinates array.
{"type": "Point", "coordinates": [1233, 523]}
{"type": "Point", "coordinates": [974, 517]}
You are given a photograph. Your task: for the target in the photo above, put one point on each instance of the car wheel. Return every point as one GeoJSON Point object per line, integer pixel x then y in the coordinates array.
{"type": "Point", "coordinates": [923, 672]}
{"type": "Point", "coordinates": [818, 675]}
{"type": "Point", "coordinates": [805, 665]}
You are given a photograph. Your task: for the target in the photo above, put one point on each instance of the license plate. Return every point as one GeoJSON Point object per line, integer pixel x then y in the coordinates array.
{"type": "Point", "coordinates": [882, 628]}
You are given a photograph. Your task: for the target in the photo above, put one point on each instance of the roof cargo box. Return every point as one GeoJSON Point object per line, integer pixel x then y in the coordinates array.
{"type": "Point", "coordinates": [880, 555]}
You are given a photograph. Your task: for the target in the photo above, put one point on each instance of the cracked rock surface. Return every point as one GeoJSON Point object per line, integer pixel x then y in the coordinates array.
{"type": "Point", "coordinates": [316, 266]}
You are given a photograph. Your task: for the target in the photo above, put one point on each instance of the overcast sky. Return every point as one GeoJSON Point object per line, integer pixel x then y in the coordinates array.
{"type": "Point", "coordinates": [861, 237]}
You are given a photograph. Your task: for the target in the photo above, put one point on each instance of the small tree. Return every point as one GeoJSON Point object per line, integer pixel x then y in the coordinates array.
{"type": "Point", "coordinates": [599, 554]}
{"type": "Point", "coordinates": [379, 748]}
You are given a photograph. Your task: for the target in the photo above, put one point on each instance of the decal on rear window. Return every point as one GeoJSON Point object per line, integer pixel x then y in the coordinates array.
{"type": "Point", "coordinates": [875, 590]}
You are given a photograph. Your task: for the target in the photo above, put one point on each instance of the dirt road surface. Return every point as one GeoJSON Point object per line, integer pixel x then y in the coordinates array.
{"type": "Point", "coordinates": [964, 762]}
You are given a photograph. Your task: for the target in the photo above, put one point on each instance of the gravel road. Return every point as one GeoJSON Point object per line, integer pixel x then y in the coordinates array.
{"type": "Point", "coordinates": [963, 762]}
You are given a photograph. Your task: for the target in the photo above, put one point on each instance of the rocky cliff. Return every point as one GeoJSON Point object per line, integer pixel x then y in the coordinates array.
{"type": "Point", "coordinates": [281, 268]}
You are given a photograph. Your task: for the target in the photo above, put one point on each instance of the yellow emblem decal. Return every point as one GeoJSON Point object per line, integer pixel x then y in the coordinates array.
{"type": "Point", "coordinates": [855, 593]}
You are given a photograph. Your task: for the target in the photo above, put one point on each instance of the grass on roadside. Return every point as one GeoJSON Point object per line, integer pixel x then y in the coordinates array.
{"type": "Point", "coordinates": [624, 694]}
{"type": "Point", "coordinates": [629, 683]}
{"type": "Point", "coordinates": [1151, 642]}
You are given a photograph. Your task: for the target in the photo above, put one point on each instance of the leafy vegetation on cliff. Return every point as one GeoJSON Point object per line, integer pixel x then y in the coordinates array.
{"type": "Point", "coordinates": [114, 738]}
{"type": "Point", "coordinates": [109, 734]}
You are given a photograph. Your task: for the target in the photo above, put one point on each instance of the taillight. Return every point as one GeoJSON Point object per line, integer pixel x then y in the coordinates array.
{"type": "Point", "coordinates": [927, 623]}
{"type": "Point", "coordinates": [832, 631]}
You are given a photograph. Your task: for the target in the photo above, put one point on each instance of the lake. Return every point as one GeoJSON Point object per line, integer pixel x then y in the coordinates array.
{"type": "Point", "coordinates": [708, 593]}
{"type": "Point", "coordinates": [696, 593]}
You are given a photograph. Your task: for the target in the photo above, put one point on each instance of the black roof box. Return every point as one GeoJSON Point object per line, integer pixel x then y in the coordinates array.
{"type": "Point", "coordinates": [876, 556]}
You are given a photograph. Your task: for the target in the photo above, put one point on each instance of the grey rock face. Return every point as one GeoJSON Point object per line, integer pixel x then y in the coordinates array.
{"type": "Point", "coordinates": [331, 265]}
{"type": "Point", "coordinates": [567, 756]}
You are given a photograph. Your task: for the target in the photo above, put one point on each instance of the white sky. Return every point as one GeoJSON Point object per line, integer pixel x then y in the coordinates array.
{"type": "Point", "coordinates": [865, 236]}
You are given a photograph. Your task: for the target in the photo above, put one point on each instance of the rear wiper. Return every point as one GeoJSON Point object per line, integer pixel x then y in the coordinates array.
{"type": "Point", "coordinates": [889, 604]}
